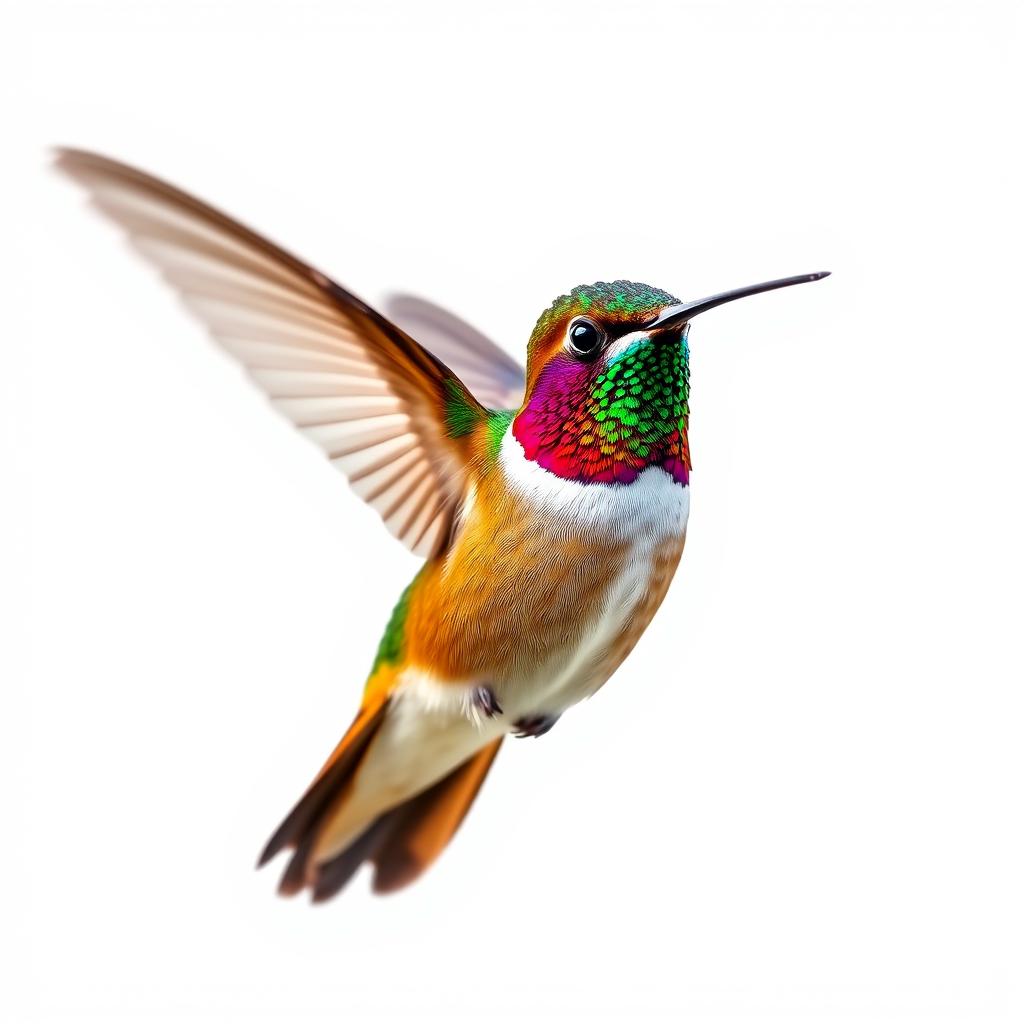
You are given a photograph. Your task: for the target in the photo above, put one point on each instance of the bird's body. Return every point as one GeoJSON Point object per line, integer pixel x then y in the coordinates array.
{"type": "Point", "coordinates": [543, 594]}
{"type": "Point", "coordinates": [550, 504]}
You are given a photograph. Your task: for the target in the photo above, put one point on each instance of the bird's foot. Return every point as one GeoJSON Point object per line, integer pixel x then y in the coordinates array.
{"type": "Point", "coordinates": [534, 725]}
{"type": "Point", "coordinates": [485, 702]}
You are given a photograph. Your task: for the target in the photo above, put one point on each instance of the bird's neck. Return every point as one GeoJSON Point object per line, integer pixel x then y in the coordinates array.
{"type": "Point", "coordinates": [608, 425]}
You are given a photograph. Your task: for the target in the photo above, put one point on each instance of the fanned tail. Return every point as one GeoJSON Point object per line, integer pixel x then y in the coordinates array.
{"type": "Point", "coordinates": [320, 802]}
{"type": "Point", "coordinates": [401, 843]}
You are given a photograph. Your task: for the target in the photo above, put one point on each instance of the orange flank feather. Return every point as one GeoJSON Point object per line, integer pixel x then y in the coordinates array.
{"type": "Point", "coordinates": [499, 603]}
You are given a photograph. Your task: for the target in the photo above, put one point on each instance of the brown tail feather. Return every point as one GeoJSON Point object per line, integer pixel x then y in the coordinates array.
{"type": "Point", "coordinates": [299, 828]}
{"type": "Point", "coordinates": [336, 873]}
{"type": "Point", "coordinates": [405, 841]}
{"type": "Point", "coordinates": [428, 823]}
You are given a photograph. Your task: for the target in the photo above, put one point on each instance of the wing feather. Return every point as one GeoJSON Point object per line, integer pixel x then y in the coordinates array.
{"type": "Point", "coordinates": [352, 381]}
{"type": "Point", "coordinates": [496, 379]}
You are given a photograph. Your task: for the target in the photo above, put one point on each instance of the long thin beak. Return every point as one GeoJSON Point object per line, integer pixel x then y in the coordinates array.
{"type": "Point", "coordinates": [676, 316]}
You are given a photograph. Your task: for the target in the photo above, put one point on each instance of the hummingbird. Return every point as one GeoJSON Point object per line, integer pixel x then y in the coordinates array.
{"type": "Point", "coordinates": [549, 505]}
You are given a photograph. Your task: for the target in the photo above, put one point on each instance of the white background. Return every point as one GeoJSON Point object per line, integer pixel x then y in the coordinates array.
{"type": "Point", "coordinates": [800, 799]}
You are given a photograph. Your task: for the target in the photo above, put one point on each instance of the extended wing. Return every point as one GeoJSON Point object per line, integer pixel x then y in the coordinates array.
{"type": "Point", "coordinates": [387, 412]}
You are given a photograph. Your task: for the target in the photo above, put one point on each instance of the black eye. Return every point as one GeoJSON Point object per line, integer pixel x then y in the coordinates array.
{"type": "Point", "coordinates": [585, 338]}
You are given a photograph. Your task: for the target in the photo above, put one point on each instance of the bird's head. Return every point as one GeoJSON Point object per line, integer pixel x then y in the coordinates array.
{"type": "Point", "coordinates": [607, 381]}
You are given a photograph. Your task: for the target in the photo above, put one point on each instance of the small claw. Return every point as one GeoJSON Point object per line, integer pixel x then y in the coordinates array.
{"type": "Point", "coordinates": [534, 725]}
{"type": "Point", "coordinates": [485, 702]}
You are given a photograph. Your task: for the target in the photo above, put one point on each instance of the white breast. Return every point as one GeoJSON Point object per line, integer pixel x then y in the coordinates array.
{"type": "Point", "coordinates": [646, 513]}
{"type": "Point", "coordinates": [653, 505]}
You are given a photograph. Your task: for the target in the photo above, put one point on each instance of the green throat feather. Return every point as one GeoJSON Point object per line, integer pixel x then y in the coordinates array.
{"type": "Point", "coordinates": [607, 419]}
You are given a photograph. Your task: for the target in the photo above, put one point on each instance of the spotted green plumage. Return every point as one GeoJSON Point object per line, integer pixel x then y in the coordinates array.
{"type": "Point", "coordinates": [641, 399]}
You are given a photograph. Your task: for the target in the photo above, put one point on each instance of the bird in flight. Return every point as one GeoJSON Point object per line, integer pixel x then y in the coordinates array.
{"type": "Point", "coordinates": [549, 503]}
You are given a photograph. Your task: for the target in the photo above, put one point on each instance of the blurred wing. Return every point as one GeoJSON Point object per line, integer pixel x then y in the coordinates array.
{"type": "Point", "coordinates": [493, 376]}
{"type": "Point", "coordinates": [378, 403]}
